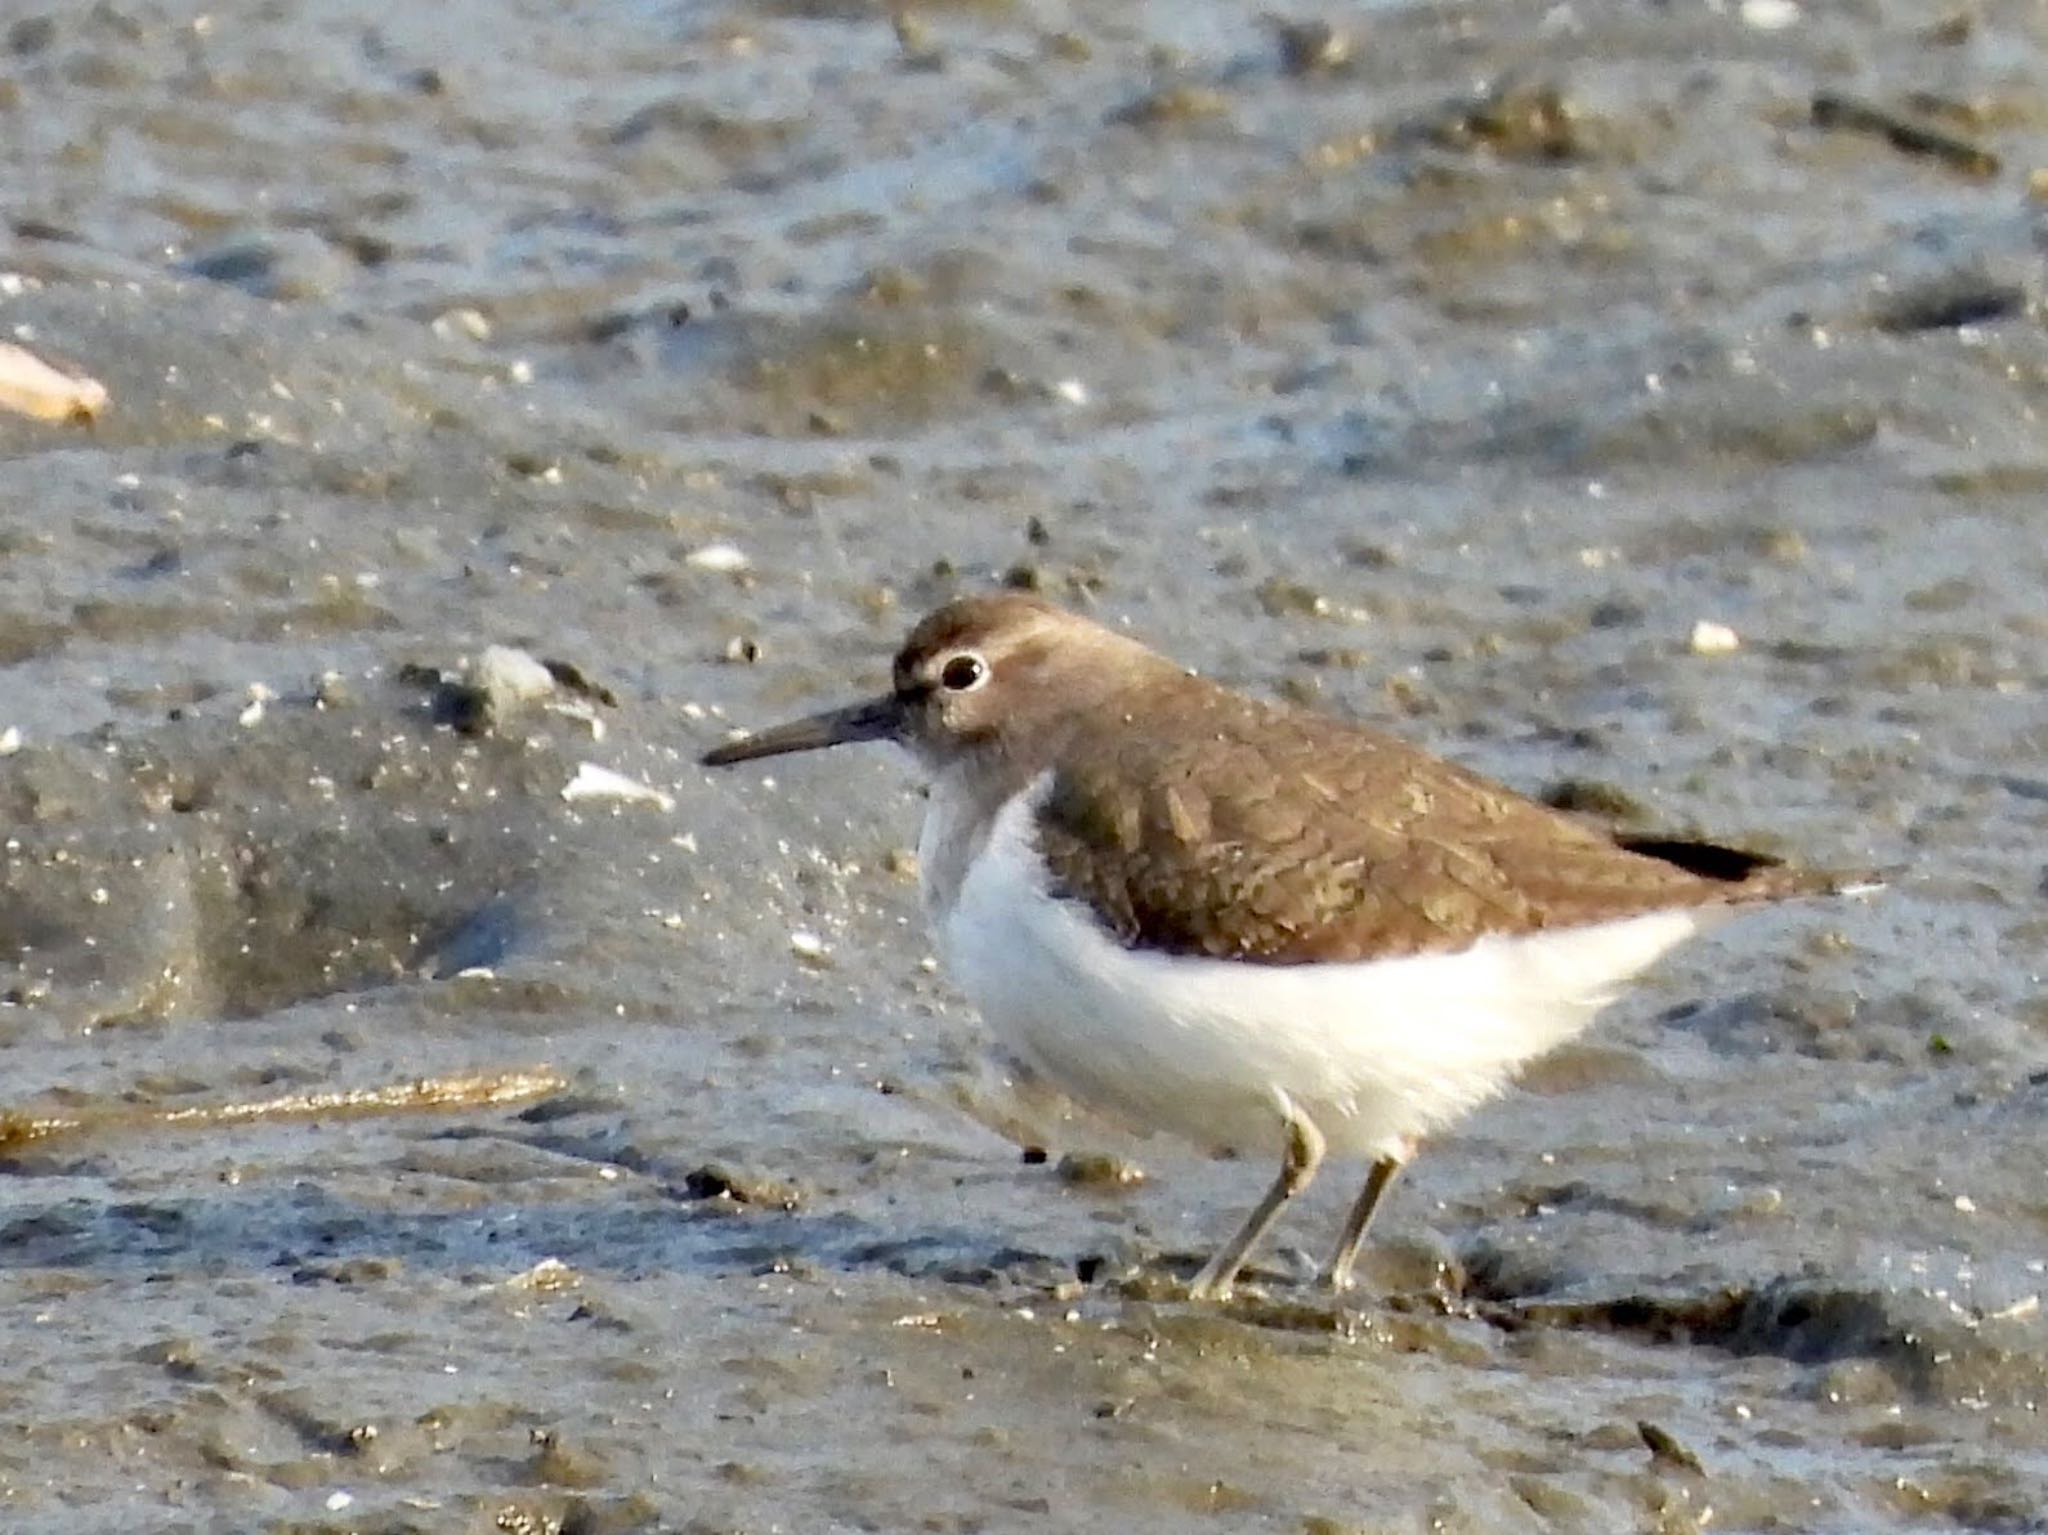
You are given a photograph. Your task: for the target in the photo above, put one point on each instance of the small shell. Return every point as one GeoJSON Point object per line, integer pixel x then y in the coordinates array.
{"type": "Point", "coordinates": [45, 390]}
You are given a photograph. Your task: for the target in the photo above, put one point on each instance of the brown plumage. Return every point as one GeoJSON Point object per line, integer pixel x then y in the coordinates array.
{"type": "Point", "coordinates": [1278, 836]}
{"type": "Point", "coordinates": [1264, 833]}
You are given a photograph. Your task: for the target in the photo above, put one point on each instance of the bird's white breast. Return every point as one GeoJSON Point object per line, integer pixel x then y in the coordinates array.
{"type": "Point", "coordinates": [1375, 1052]}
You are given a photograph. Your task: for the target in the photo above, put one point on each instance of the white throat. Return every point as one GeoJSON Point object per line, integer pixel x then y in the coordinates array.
{"type": "Point", "coordinates": [957, 824]}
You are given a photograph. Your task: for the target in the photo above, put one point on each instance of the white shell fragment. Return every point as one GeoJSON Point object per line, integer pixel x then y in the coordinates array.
{"type": "Point", "coordinates": [1768, 15]}
{"type": "Point", "coordinates": [462, 321]}
{"type": "Point", "coordinates": [594, 782]}
{"type": "Point", "coordinates": [47, 391]}
{"type": "Point", "coordinates": [1712, 639]}
{"type": "Point", "coordinates": [725, 559]}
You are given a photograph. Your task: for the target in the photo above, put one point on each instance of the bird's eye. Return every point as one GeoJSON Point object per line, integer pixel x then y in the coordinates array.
{"type": "Point", "coordinates": [963, 673]}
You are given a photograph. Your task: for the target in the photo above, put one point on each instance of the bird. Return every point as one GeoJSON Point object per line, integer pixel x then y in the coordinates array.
{"type": "Point", "coordinates": [1251, 925]}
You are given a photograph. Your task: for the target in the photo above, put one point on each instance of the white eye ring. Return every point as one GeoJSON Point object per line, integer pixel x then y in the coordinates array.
{"type": "Point", "coordinates": [963, 672]}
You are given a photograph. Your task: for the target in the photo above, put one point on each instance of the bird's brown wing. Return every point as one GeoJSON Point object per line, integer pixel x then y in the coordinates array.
{"type": "Point", "coordinates": [1281, 837]}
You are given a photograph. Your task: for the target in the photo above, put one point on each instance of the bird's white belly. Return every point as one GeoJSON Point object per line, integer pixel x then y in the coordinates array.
{"type": "Point", "coordinates": [1375, 1053]}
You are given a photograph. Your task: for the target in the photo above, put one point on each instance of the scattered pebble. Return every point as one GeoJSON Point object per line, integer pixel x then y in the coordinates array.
{"type": "Point", "coordinates": [595, 782]}
{"type": "Point", "coordinates": [1712, 639]}
{"type": "Point", "coordinates": [1173, 104]}
{"type": "Point", "coordinates": [331, 690]}
{"type": "Point", "coordinates": [507, 675]}
{"type": "Point", "coordinates": [716, 1180]}
{"type": "Point", "coordinates": [45, 389]}
{"type": "Point", "coordinates": [915, 40]}
{"type": "Point", "coordinates": [10, 740]}
{"type": "Point", "coordinates": [548, 1274]}
{"type": "Point", "coordinates": [504, 680]}
{"type": "Point", "coordinates": [1666, 1449]}
{"type": "Point", "coordinates": [290, 265]}
{"type": "Point", "coordinates": [252, 712]}
{"type": "Point", "coordinates": [1098, 1169]}
{"type": "Point", "coordinates": [1309, 47]}
{"type": "Point", "coordinates": [808, 947]}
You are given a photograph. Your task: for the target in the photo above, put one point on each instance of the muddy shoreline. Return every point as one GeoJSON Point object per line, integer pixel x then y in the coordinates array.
{"type": "Point", "coordinates": [392, 1142]}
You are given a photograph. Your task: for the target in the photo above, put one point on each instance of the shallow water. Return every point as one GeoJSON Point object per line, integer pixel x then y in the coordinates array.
{"type": "Point", "coordinates": [1446, 380]}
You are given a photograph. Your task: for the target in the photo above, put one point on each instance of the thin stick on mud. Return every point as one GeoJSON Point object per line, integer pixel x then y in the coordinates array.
{"type": "Point", "coordinates": [490, 1089]}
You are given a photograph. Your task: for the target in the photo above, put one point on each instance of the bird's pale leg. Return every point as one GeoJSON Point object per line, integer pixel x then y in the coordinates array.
{"type": "Point", "coordinates": [1298, 1165]}
{"type": "Point", "coordinates": [1352, 1237]}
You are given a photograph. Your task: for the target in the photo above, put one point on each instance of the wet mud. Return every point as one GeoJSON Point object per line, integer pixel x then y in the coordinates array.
{"type": "Point", "coordinates": [434, 1103]}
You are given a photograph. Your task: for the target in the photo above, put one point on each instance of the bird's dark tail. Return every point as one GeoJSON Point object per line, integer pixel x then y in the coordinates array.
{"type": "Point", "coordinates": [1759, 876]}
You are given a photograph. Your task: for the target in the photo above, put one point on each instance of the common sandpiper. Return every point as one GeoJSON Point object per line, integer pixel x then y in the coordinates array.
{"type": "Point", "coordinates": [1260, 928]}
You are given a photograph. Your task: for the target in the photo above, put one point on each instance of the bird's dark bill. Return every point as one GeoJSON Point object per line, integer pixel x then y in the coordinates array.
{"type": "Point", "coordinates": [875, 719]}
